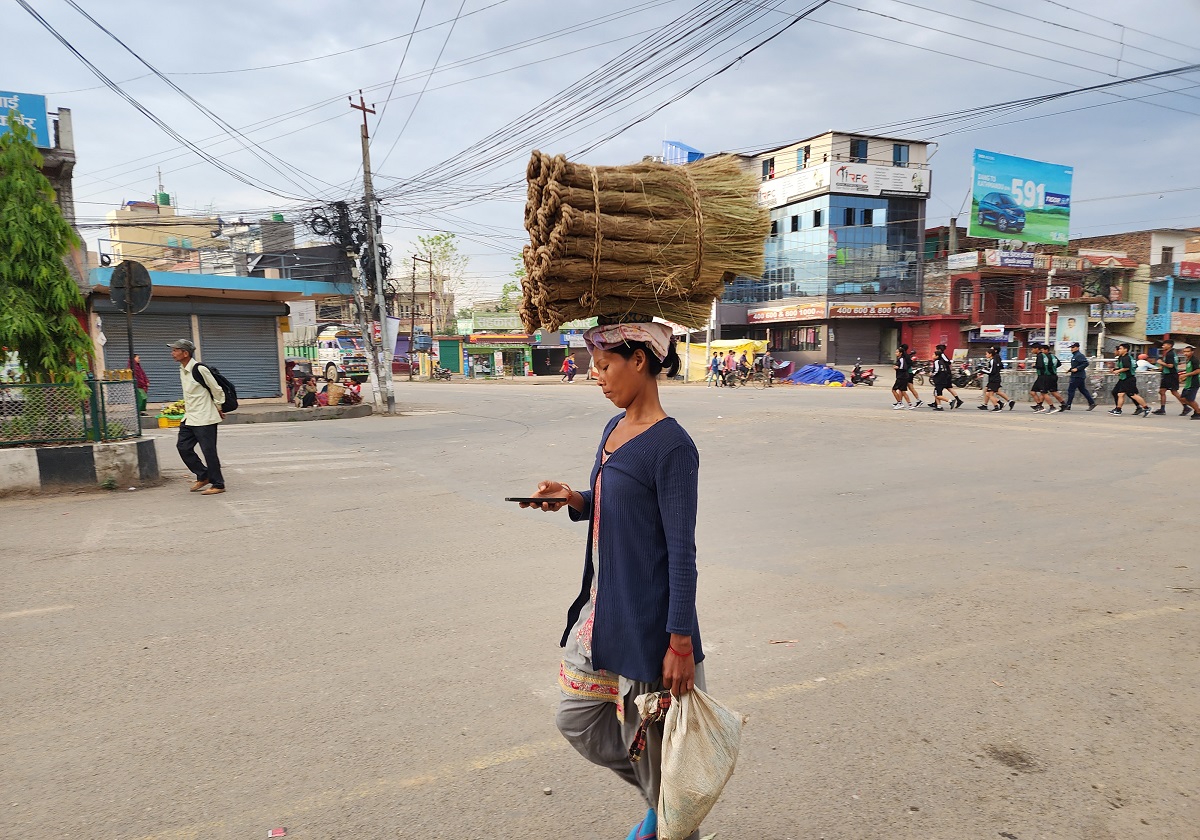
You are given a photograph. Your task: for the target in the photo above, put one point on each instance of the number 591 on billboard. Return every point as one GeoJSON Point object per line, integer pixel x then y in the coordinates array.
{"type": "Point", "coordinates": [1019, 198]}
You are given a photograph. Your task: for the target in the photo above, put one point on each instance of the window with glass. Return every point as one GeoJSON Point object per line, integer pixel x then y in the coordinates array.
{"type": "Point", "coordinates": [848, 217]}
{"type": "Point", "coordinates": [795, 224]}
{"type": "Point", "coordinates": [858, 151]}
{"type": "Point", "coordinates": [1156, 305]}
{"type": "Point", "coordinates": [1168, 254]}
{"type": "Point", "coordinates": [1028, 300]}
{"type": "Point", "coordinates": [868, 216]}
{"type": "Point", "coordinates": [966, 299]}
{"type": "Point", "coordinates": [768, 169]}
{"type": "Point", "coordinates": [817, 218]}
{"type": "Point", "coordinates": [899, 154]}
{"type": "Point", "coordinates": [774, 228]}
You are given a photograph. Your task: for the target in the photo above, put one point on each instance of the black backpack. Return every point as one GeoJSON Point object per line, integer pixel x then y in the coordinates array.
{"type": "Point", "coordinates": [231, 400]}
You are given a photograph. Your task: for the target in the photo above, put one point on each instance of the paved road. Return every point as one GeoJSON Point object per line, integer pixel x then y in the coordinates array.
{"type": "Point", "coordinates": [992, 627]}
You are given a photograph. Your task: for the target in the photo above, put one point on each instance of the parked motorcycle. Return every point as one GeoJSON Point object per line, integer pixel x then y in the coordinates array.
{"type": "Point", "coordinates": [858, 376]}
{"type": "Point", "coordinates": [963, 378]}
{"type": "Point", "coordinates": [441, 373]}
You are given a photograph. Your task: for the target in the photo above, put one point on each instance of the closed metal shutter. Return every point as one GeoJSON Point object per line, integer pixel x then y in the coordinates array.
{"type": "Point", "coordinates": [856, 340]}
{"type": "Point", "coordinates": [151, 335]}
{"type": "Point", "coordinates": [246, 351]}
{"type": "Point", "coordinates": [450, 356]}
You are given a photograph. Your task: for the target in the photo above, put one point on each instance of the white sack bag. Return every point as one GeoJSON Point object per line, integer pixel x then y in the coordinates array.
{"type": "Point", "coordinates": [700, 747]}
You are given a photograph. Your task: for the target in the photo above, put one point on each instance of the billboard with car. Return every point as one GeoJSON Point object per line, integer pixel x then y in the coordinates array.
{"type": "Point", "coordinates": [1018, 198]}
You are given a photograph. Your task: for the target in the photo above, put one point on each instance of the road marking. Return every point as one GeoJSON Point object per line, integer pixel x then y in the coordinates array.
{"type": "Point", "coordinates": [538, 749]}
{"type": "Point", "coordinates": [35, 611]}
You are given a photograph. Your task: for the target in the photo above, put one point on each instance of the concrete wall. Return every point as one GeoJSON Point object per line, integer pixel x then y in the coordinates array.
{"type": "Point", "coordinates": [1016, 383]}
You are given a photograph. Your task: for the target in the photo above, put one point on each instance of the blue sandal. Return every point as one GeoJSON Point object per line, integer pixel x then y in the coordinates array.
{"type": "Point", "coordinates": [647, 829]}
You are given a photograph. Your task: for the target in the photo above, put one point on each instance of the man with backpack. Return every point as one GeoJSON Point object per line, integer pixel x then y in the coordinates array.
{"type": "Point", "coordinates": [203, 399]}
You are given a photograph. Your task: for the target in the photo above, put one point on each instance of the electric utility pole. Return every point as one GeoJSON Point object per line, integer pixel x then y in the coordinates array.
{"type": "Point", "coordinates": [412, 322]}
{"type": "Point", "coordinates": [381, 354]}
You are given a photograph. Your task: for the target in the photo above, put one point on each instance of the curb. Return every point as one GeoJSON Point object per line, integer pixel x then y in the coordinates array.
{"type": "Point", "coordinates": [86, 466]}
{"type": "Point", "coordinates": [290, 414]}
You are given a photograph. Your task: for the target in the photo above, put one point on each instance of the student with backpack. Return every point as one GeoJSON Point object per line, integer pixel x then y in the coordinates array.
{"type": "Point", "coordinates": [205, 403]}
{"type": "Point", "coordinates": [1052, 364]}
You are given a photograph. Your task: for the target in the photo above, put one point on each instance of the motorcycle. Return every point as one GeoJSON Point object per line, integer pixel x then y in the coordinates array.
{"type": "Point", "coordinates": [963, 378]}
{"type": "Point", "coordinates": [860, 377]}
{"type": "Point", "coordinates": [441, 373]}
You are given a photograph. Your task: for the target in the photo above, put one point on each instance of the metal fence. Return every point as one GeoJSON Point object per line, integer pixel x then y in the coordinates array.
{"type": "Point", "coordinates": [36, 413]}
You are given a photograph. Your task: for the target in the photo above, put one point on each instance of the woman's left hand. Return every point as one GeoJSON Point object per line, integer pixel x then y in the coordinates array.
{"type": "Point", "coordinates": [679, 666]}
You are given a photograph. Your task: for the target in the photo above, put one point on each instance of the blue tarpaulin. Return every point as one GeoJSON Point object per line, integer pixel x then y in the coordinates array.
{"type": "Point", "coordinates": [816, 375]}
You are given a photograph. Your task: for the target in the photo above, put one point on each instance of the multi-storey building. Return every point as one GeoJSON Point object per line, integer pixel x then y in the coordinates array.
{"type": "Point", "coordinates": [844, 255]}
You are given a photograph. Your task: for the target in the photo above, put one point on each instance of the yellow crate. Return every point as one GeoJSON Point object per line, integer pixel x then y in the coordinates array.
{"type": "Point", "coordinates": [168, 423]}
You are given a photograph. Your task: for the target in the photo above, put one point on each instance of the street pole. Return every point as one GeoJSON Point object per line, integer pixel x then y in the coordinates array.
{"type": "Point", "coordinates": [1046, 306]}
{"type": "Point", "coordinates": [431, 318]}
{"type": "Point", "coordinates": [383, 361]}
{"type": "Point", "coordinates": [412, 320]}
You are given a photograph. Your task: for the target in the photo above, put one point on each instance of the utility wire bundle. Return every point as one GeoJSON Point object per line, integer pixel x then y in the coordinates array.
{"type": "Point", "coordinates": [648, 239]}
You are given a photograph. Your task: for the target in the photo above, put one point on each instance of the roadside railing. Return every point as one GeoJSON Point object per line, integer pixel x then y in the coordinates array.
{"type": "Point", "coordinates": [41, 413]}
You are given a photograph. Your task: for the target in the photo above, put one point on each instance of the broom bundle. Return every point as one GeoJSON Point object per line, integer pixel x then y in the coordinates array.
{"type": "Point", "coordinates": [647, 239]}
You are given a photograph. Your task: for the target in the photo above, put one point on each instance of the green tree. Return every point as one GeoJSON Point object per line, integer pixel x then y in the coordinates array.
{"type": "Point", "coordinates": [448, 263]}
{"type": "Point", "coordinates": [39, 300]}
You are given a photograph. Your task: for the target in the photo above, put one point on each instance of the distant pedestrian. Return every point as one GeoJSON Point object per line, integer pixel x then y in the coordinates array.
{"type": "Point", "coordinates": [569, 369]}
{"type": "Point", "coordinates": [1168, 363]}
{"type": "Point", "coordinates": [1078, 380]}
{"type": "Point", "coordinates": [1040, 389]}
{"type": "Point", "coordinates": [943, 380]}
{"type": "Point", "coordinates": [1127, 384]}
{"type": "Point", "coordinates": [903, 368]}
{"type": "Point", "coordinates": [714, 371]}
{"type": "Point", "coordinates": [992, 392]}
{"type": "Point", "coordinates": [1052, 363]}
{"type": "Point", "coordinates": [141, 382]}
{"type": "Point", "coordinates": [202, 400]}
{"type": "Point", "coordinates": [1190, 380]}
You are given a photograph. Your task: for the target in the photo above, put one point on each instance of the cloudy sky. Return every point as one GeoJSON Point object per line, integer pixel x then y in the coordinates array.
{"type": "Point", "coordinates": [481, 82]}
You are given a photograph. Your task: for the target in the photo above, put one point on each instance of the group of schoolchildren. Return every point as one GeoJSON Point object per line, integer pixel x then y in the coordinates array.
{"type": "Point", "coordinates": [1180, 377]}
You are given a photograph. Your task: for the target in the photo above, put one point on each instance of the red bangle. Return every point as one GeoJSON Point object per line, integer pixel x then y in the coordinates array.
{"type": "Point", "coordinates": [677, 653]}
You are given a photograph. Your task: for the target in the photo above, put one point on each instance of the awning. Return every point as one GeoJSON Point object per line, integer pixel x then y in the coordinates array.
{"type": "Point", "coordinates": [1117, 338]}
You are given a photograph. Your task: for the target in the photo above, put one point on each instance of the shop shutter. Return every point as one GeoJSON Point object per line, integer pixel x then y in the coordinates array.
{"type": "Point", "coordinates": [922, 341]}
{"type": "Point", "coordinates": [151, 335]}
{"type": "Point", "coordinates": [856, 340]}
{"type": "Point", "coordinates": [245, 349]}
{"type": "Point", "coordinates": [450, 355]}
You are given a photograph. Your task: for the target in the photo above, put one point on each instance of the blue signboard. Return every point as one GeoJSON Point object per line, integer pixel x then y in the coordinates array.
{"type": "Point", "coordinates": [1018, 198]}
{"type": "Point", "coordinates": [32, 108]}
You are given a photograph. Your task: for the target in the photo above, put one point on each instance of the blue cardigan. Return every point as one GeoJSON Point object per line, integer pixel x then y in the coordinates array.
{"type": "Point", "coordinates": [647, 551]}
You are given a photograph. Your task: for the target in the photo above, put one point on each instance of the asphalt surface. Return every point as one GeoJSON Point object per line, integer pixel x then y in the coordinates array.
{"type": "Point", "coordinates": [989, 627]}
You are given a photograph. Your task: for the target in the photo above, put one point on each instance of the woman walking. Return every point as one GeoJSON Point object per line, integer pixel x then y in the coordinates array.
{"type": "Point", "coordinates": [633, 628]}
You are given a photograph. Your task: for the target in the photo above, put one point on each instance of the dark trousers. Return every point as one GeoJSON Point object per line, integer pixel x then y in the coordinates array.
{"type": "Point", "coordinates": [1078, 383]}
{"type": "Point", "coordinates": [206, 436]}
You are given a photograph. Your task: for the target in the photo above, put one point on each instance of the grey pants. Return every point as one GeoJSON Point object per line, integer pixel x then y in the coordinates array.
{"type": "Point", "coordinates": [592, 728]}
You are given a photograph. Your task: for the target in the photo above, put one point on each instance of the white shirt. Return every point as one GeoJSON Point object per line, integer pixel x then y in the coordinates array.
{"type": "Point", "coordinates": [200, 408]}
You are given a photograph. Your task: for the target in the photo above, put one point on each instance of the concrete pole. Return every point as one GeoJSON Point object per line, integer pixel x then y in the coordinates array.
{"type": "Point", "coordinates": [381, 355]}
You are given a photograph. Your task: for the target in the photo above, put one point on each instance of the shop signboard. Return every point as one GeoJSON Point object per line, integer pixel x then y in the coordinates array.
{"type": "Point", "coordinates": [980, 337]}
{"type": "Point", "coordinates": [1187, 323]}
{"type": "Point", "coordinates": [1189, 270]}
{"type": "Point", "coordinates": [839, 177]}
{"type": "Point", "coordinates": [1115, 311]}
{"type": "Point", "coordinates": [991, 330]}
{"type": "Point", "coordinates": [500, 321]}
{"type": "Point", "coordinates": [795, 312]}
{"type": "Point", "coordinates": [1009, 259]}
{"type": "Point", "coordinates": [885, 309]}
{"type": "Point", "coordinates": [958, 262]}
{"type": "Point", "coordinates": [1019, 198]}
{"type": "Point", "coordinates": [32, 109]}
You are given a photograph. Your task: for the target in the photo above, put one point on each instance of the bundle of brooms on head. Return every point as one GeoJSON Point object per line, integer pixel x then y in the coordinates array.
{"type": "Point", "coordinates": [648, 239]}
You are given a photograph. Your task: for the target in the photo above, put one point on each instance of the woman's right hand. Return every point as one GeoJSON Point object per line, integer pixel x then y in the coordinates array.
{"type": "Point", "coordinates": [550, 490]}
